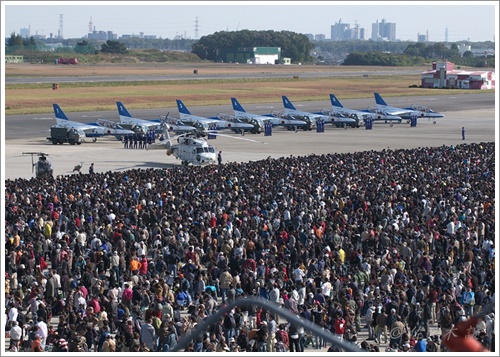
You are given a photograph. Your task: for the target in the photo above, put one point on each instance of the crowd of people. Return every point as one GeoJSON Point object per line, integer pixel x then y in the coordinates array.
{"type": "Point", "coordinates": [386, 242]}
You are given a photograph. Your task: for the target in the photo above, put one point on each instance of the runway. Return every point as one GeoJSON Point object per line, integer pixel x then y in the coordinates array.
{"type": "Point", "coordinates": [205, 72]}
{"type": "Point", "coordinates": [474, 112]}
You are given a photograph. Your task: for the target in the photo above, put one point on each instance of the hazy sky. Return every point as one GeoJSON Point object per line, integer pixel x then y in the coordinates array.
{"type": "Point", "coordinates": [473, 20]}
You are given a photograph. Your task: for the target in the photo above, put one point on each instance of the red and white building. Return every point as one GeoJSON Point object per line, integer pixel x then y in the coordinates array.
{"type": "Point", "coordinates": [443, 74]}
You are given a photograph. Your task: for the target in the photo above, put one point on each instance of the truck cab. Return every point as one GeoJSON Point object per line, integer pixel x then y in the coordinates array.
{"type": "Point", "coordinates": [61, 135]}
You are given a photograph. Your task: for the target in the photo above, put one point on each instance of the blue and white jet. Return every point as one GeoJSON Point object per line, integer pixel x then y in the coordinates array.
{"type": "Point", "coordinates": [172, 124]}
{"type": "Point", "coordinates": [242, 114]}
{"type": "Point", "coordinates": [91, 130]}
{"type": "Point", "coordinates": [310, 118]}
{"type": "Point", "coordinates": [210, 123]}
{"type": "Point", "coordinates": [418, 111]}
{"type": "Point", "coordinates": [340, 110]}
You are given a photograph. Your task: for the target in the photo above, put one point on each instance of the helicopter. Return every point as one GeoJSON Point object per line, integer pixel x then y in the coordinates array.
{"type": "Point", "coordinates": [42, 168]}
{"type": "Point", "coordinates": [190, 147]}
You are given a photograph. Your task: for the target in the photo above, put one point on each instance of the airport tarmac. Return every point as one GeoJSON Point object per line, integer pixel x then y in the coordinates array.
{"type": "Point", "coordinates": [108, 154]}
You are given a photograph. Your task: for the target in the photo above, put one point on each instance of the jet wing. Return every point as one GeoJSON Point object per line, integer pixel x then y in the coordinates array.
{"type": "Point", "coordinates": [282, 118]}
{"type": "Point", "coordinates": [231, 123]}
{"type": "Point", "coordinates": [150, 124]}
{"type": "Point", "coordinates": [390, 110]}
{"type": "Point", "coordinates": [90, 130]}
{"type": "Point", "coordinates": [175, 125]}
{"type": "Point", "coordinates": [96, 128]}
{"type": "Point", "coordinates": [108, 124]}
{"type": "Point", "coordinates": [423, 111]}
{"type": "Point", "coordinates": [200, 122]}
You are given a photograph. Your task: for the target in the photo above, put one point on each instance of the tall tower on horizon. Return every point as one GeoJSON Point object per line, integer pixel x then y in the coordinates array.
{"type": "Point", "coordinates": [90, 25]}
{"type": "Point", "coordinates": [196, 28]}
{"type": "Point", "coordinates": [446, 34]}
{"type": "Point", "coordinates": [61, 32]}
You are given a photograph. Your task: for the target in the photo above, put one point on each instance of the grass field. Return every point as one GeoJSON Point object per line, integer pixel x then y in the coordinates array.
{"type": "Point", "coordinates": [96, 96]}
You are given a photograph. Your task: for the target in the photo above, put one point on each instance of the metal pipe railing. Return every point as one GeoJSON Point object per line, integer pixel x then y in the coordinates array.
{"type": "Point", "coordinates": [273, 307]}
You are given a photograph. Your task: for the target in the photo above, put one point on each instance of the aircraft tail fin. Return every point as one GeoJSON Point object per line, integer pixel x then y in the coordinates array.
{"type": "Point", "coordinates": [122, 111]}
{"type": "Point", "coordinates": [236, 105]}
{"type": "Point", "coordinates": [335, 101]}
{"type": "Point", "coordinates": [379, 100]}
{"type": "Point", "coordinates": [287, 104]}
{"type": "Point", "coordinates": [59, 113]}
{"type": "Point", "coordinates": [182, 108]}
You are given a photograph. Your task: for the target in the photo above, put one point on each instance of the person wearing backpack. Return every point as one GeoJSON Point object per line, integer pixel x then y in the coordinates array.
{"type": "Point", "coordinates": [280, 345]}
{"type": "Point", "coordinates": [229, 326]}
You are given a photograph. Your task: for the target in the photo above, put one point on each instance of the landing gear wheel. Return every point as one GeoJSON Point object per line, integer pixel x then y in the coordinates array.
{"type": "Point", "coordinates": [94, 140]}
{"type": "Point", "coordinates": [345, 127]}
{"type": "Point", "coordinates": [434, 122]}
{"type": "Point", "coordinates": [391, 125]}
{"type": "Point", "coordinates": [408, 121]}
{"type": "Point", "coordinates": [242, 132]}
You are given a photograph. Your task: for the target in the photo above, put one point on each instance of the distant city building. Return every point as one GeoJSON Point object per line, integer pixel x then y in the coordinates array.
{"type": "Point", "coordinates": [383, 31]}
{"type": "Point", "coordinates": [102, 35]}
{"type": "Point", "coordinates": [140, 35]}
{"type": "Point", "coordinates": [356, 33]}
{"type": "Point", "coordinates": [423, 37]}
{"type": "Point", "coordinates": [362, 33]}
{"type": "Point", "coordinates": [25, 32]}
{"type": "Point", "coordinates": [318, 37]}
{"type": "Point", "coordinates": [339, 31]}
{"type": "Point", "coordinates": [343, 32]}
{"type": "Point", "coordinates": [255, 55]}
{"type": "Point", "coordinates": [39, 37]}
{"type": "Point", "coordinates": [443, 74]}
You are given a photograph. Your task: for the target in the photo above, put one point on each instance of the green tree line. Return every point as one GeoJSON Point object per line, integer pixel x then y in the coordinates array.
{"type": "Point", "coordinates": [293, 45]}
{"type": "Point", "coordinates": [402, 53]}
{"type": "Point", "coordinates": [20, 42]}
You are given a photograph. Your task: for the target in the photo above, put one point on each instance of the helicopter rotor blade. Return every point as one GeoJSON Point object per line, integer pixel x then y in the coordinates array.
{"type": "Point", "coordinates": [239, 138]}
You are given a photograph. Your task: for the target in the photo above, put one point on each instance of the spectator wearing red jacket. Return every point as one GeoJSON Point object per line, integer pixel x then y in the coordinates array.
{"type": "Point", "coordinates": [339, 326]}
{"type": "Point", "coordinates": [143, 269]}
